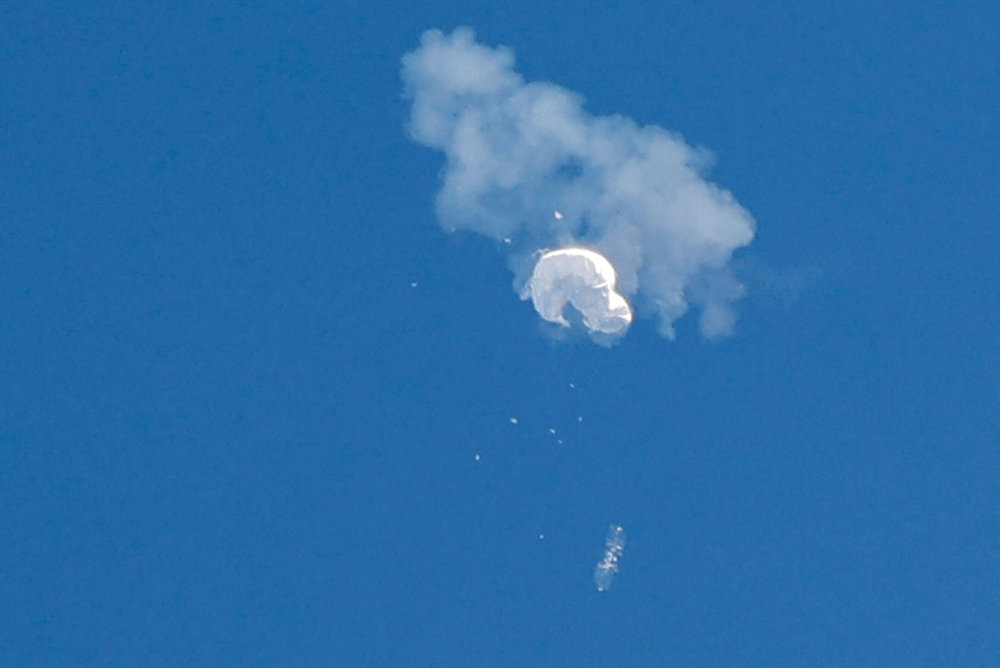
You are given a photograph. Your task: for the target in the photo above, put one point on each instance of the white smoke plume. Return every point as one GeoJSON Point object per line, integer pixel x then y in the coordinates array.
{"type": "Point", "coordinates": [517, 151]}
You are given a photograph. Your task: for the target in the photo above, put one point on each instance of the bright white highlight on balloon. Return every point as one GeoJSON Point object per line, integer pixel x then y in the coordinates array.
{"type": "Point", "coordinates": [581, 278]}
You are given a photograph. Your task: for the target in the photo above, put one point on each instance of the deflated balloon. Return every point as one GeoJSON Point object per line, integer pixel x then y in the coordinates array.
{"type": "Point", "coordinates": [584, 279]}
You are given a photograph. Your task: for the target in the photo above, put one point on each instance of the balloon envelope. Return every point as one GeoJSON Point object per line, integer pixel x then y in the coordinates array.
{"type": "Point", "coordinates": [585, 279]}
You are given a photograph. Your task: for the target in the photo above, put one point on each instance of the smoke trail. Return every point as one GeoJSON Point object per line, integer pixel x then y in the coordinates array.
{"type": "Point", "coordinates": [517, 151]}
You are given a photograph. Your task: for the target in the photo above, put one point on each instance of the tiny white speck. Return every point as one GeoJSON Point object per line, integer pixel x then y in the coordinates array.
{"type": "Point", "coordinates": [413, 285]}
{"type": "Point", "coordinates": [559, 441]}
{"type": "Point", "coordinates": [478, 457]}
{"type": "Point", "coordinates": [558, 215]}
{"type": "Point", "coordinates": [579, 418]}
{"type": "Point", "coordinates": [506, 240]}
{"type": "Point", "coordinates": [541, 536]}
{"type": "Point", "coordinates": [513, 420]}
{"type": "Point", "coordinates": [572, 385]}
{"type": "Point", "coordinates": [552, 431]}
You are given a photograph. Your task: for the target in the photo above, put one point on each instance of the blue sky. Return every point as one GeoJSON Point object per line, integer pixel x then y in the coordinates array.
{"type": "Point", "coordinates": [231, 431]}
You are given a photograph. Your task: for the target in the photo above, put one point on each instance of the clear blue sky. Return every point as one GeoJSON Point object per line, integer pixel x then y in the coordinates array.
{"type": "Point", "coordinates": [232, 432]}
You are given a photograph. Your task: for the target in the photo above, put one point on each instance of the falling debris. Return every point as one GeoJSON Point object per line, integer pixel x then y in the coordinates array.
{"type": "Point", "coordinates": [413, 285]}
{"type": "Point", "coordinates": [552, 430]}
{"type": "Point", "coordinates": [579, 418]}
{"type": "Point", "coordinates": [513, 420]}
{"type": "Point", "coordinates": [558, 215]}
{"type": "Point", "coordinates": [606, 569]}
{"type": "Point", "coordinates": [478, 457]}
{"type": "Point", "coordinates": [541, 536]}
{"type": "Point", "coordinates": [572, 386]}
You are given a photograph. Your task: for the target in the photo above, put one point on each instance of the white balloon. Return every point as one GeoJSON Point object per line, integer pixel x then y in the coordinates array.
{"type": "Point", "coordinates": [585, 279]}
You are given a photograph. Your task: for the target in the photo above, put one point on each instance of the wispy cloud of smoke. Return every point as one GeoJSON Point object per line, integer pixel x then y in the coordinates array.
{"type": "Point", "coordinates": [517, 151]}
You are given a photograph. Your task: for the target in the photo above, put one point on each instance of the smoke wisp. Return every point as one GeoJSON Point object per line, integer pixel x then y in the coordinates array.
{"type": "Point", "coordinates": [516, 151]}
